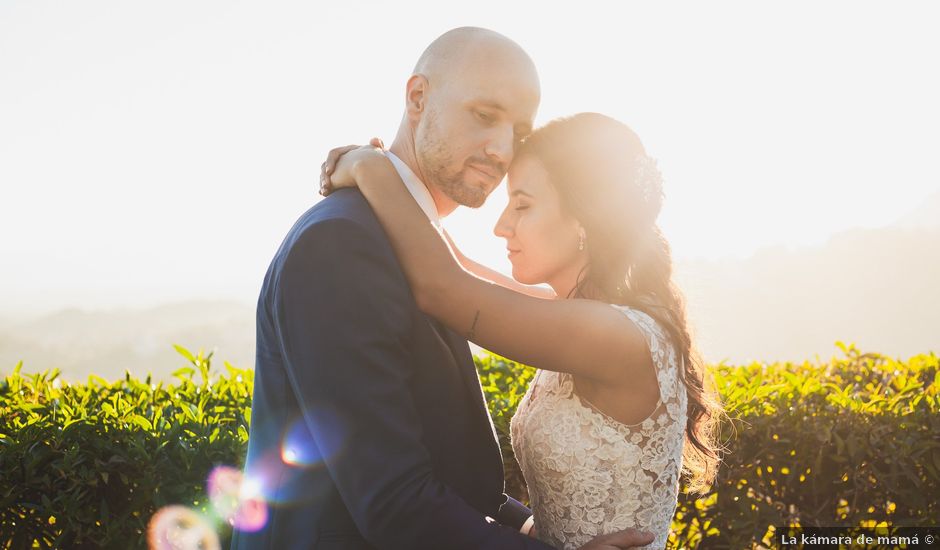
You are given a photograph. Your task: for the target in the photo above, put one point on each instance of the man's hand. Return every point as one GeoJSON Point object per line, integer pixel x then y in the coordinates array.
{"type": "Point", "coordinates": [621, 540]}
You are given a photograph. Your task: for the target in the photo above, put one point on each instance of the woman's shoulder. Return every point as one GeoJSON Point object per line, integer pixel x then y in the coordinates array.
{"type": "Point", "coordinates": [647, 324]}
{"type": "Point", "coordinates": [662, 349]}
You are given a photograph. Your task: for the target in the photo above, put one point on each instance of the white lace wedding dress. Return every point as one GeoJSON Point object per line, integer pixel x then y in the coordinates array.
{"type": "Point", "coordinates": [589, 474]}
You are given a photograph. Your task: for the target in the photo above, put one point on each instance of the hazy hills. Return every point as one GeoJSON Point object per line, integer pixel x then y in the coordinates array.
{"type": "Point", "coordinates": [140, 340]}
{"type": "Point", "coordinates": [879, 288]}
{"type": "Point", "coordinates": [926, 216]}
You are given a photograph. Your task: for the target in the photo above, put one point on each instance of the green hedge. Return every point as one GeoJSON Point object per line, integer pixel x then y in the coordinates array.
{"type": "Point", "coordinates": [87, 465]}
{"type": "Point", "coordinates": [852, 442]}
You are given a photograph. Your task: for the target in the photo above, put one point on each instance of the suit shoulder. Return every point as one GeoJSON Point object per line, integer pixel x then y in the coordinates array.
{"type": "Point", "coordinates": [344, 208]}
{"type": "Point", "coordinates": [346, 204]}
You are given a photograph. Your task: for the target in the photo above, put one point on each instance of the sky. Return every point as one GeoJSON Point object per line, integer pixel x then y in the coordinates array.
{"type": "Point", "coordinates": [160, 151]}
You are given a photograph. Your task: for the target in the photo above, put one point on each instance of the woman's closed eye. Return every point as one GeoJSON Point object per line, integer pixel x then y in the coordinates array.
{"type": "Point", "coordinates": [521, 207]}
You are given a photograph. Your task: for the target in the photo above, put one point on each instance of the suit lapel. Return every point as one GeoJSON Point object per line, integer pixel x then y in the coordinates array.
{"type": "Point", "coordinates": [467, 367]}
{"type": "Point", "coordinates": [461, 351]}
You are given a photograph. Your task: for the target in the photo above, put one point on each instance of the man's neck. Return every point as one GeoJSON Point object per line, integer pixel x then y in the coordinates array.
{"type": "Point", "coordinates": [404, 149]}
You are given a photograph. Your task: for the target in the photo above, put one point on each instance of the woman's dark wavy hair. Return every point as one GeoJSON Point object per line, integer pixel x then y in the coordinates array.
{"type": "Point", "coordinates": [603, 176]}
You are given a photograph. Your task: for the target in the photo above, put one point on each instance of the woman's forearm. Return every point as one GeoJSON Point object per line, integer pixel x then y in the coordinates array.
{"type": "Point", "coordinates": [425, 258]}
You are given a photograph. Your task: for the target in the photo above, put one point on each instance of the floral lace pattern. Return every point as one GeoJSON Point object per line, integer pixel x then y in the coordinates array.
{"type": "Point", "coordinates": [589, 474]}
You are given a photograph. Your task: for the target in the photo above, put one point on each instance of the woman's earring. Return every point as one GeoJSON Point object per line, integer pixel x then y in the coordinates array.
{"type": "Point", "coordinates": [581, 241]}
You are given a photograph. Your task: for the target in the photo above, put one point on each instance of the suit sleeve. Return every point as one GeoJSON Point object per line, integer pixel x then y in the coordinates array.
{"type": "Point", "coordinates": [513, 513]}
{"type": "Point", "coordinates": [345, 312]}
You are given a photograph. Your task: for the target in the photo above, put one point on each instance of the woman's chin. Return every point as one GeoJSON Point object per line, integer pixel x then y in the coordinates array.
{"type": "Point", "coordinates": [521, 276]}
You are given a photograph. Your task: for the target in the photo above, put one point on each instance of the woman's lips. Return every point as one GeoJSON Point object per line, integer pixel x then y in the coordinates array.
{"type": "Point", "coordinates": [512, 252]}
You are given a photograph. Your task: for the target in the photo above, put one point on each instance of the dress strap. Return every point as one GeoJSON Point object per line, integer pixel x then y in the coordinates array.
{"type": "Point", "coordinates": [661, 349]}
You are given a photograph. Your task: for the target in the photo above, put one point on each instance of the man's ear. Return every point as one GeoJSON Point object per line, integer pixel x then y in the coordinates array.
{"type": "Point", "coordinates": [416, 95]}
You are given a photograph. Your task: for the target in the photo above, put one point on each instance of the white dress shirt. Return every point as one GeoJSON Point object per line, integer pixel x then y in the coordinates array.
{"type": "Point", "coordinates": [417, 188]}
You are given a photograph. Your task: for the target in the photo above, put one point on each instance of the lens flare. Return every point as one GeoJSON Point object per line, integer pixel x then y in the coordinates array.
{"type": "Point", "coordinates": [223, 486]}
{"type": "Point", "coordinates": [179, 528]}
{"type": "Point", "coordinates": [237, 499]}
{"type": "Point", "coordinates": [250, 488]}
{"type": "Point", "coordinates": [298, 447]}
{"type": "Point", "coordinates": [251, 515]}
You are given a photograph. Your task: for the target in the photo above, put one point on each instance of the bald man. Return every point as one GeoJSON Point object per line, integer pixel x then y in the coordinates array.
{"type": "Point", "coordinates": [369, 429]}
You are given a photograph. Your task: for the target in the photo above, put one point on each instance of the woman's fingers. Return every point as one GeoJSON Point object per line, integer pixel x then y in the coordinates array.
{"type": "Point", "coordinates": [324, 180]}
{"type": "Point", "coordinates": [329, 165]}
{"type": "Point", "coordinates": [629, 538]}
{"type": "Point", "coordinates": [334, 155]}
{"type": "Point", "coordinates": [332, 158]}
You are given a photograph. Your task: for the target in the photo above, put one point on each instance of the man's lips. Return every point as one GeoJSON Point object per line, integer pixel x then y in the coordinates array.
{"type": "Point", "coordinates": [490, 173]}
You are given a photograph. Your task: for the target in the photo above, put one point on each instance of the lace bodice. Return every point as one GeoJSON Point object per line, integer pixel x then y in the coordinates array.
{"type": "Point", "coordinates": [589, 474]}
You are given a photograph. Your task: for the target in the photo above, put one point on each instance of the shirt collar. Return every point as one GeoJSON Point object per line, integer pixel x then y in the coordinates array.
{"type": "Point", "coordinates": [417, 189]}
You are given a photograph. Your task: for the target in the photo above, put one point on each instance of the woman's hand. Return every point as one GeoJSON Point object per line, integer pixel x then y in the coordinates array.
{"type": "Point", "coordinates": [338, 170]}
{"type": "Point", "coordinates": [621, 540]}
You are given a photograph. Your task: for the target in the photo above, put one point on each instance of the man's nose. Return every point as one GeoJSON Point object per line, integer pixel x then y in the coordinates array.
{"type": "Point", "coordinates": [501, 145]}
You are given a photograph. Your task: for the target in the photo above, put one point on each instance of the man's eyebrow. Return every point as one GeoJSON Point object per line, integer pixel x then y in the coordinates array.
{"type": "Point", "coordinates": [522, 129]}
{"type": "Point", "coordinates": [491, 104]}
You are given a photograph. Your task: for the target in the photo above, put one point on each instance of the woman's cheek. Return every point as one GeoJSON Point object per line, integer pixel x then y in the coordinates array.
{"type": "Point", "coordinates": [536, 228]}
{"type": "Point", "coordinates": [528, 231]}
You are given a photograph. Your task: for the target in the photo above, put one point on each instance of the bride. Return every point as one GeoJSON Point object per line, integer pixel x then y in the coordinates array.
{"type": "Point", "coordinates": [620, 406]}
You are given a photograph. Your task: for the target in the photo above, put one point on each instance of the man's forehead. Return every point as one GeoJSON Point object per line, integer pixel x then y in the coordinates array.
{"type": "Point", "coordinates": [506, 78]}
{"type": "Point", "coordinates": [515, 97]}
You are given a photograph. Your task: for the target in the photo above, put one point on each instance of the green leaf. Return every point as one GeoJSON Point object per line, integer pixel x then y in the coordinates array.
{"type": "Point", "coordinates": [141, 421]}
{"type": "Point", "coordinates": [184, 352]}
{"type": "Point", "coordinates": [184, 373]}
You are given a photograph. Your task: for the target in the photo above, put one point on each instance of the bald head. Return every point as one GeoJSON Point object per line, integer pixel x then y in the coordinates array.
{"type": "Point", "coordinates": [457, 50]}
{"type": "Point", "coordinates": [471, 99]}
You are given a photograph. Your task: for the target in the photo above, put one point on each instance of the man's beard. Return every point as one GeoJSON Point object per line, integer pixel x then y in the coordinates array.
{"type": "Point", "coordinates": [434, 158]}
{"type": "Point", "coordinates": [453, 184]}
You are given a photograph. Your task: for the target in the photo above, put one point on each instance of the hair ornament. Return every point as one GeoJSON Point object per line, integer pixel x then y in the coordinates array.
{"type": "Point", "coordinates": [648, 178]}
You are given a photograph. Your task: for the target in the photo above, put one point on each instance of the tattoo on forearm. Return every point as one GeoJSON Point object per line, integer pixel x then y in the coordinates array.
{"type": "Point", "coordinates": [473, 327]}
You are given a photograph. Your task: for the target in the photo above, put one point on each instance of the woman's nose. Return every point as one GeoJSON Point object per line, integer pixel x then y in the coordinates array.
{"type": "Point", "coordinates": [503, 228]}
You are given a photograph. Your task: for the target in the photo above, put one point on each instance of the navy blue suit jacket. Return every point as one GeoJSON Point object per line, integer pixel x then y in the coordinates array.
{"type": "Point", "coordinates": [369, 427]}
